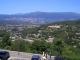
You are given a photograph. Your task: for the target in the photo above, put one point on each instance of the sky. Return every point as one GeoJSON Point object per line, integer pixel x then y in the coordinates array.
{"type": "Point", "coordinates": [27, 6]}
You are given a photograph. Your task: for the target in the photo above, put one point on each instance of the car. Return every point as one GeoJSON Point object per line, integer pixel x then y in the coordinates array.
{"type": "Point", "coordinates": [36, 57]}
{"type": "Point", "coordinates": [58, 58]}
{"type": "Point", "coordinates": [4, 55]}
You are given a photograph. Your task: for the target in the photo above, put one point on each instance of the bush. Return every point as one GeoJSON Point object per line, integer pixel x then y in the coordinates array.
{"type": "Point", "coordinates": [72, 57]}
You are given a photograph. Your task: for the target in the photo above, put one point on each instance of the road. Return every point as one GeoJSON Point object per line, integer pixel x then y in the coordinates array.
{"type": "Point", "coordinates": [20, 55]}
{"type": "Point", "coordinates": [23, 58]}
{"type": "Point", "coordinates": [14, 55]}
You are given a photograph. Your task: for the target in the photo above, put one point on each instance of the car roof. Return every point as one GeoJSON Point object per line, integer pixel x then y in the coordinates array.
{"type": "Point", "coordinates": [35, 56]}
{"type": "Point", "coordinates": [3, 51]}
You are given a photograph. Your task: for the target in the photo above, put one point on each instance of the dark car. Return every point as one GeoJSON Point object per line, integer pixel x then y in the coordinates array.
{"type": "Point", "coordinates": [36, 57]}
{"type": "Point", "coordinates": [4, 55]}
{"type": "Point", "coordinates": [58, 58]}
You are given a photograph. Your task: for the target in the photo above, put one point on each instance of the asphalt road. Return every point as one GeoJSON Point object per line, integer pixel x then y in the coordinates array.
{"type": "Point", "coordinates": [14, 55]}
{"type": "Point", "coordinates": [20, 56]}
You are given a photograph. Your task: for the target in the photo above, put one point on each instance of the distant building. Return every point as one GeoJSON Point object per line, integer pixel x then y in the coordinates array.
{"type": "Point", "coordinates": [50, 39]}
{"type": "Point", "coordinates": [13, 38]}
{"type": "Point", "coordinates": [54, 26]}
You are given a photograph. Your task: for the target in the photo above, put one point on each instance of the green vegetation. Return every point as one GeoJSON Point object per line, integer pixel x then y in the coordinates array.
{"type": "Point", "coordinates": [2, 33]}
{"type": "Point", "coordinates": [72, 57]}
{"type": "Point", "coordinates": [5, 42]}
{"type": "Point", "coordinates": [66, 40]}
{"type": "Point", "coordinates": [25, 32]}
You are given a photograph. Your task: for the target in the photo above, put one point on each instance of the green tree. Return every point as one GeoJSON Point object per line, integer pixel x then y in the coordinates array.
{"type": "Point", "coordinates": [22, 46]}
{"type": "Point", "coordinates": [67, 51]}
{"type": "Point", "coordinates": [38, 46]}
{"type": "Point", "coordinates": [14, 45]}
{"type": "Point", "coordinates": [2, 33]}
{"type": "Point", "coordinates": [58, 45]}
{"type": "Point", "coordinates": [6, 41]}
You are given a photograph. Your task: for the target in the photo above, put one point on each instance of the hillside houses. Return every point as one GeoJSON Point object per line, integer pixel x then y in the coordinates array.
{"type": "Point", "coordinates": [55, 26]}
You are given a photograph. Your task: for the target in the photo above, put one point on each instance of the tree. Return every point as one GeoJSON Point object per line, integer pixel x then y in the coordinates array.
{"type": "Point", "coordinates": [58, 45]}
{"type": "Point", "coordinates": [2, 33]}
{"type": "Point", "coordinates": [22, 46]}
{"type": "Point", "coordinates": [14, 45]}
{"type": "Point", "coordinates": [38, 46]}
{"type": "Point", "coordinates": [6, 41]}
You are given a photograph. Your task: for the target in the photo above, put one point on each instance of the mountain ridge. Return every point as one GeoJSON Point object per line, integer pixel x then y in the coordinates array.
{"type": "Point", "coordinates": [41, 17]}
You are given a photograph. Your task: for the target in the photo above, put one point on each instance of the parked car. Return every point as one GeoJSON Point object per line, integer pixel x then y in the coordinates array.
{"type": "Point", "coordinates": [58, 58]}
{"type": "Point", "coordinates": [36, 57]}
{"type": "Point", "coordinates": [4, 55]}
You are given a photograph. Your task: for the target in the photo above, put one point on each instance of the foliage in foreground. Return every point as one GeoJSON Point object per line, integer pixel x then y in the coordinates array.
{"type": "Point", "coordinates": [72, 57]}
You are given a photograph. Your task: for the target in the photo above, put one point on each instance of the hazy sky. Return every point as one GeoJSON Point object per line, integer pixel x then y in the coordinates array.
{"type": "Point", "coordinates": [26, 6]}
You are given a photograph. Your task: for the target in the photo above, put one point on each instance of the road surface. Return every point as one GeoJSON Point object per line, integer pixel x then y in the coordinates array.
{"type": "Point", "coordinates": [14, 55]}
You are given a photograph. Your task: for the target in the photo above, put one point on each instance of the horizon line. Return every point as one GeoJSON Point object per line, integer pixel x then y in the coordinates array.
{"type": "Point", "coordinates": [37, 12]}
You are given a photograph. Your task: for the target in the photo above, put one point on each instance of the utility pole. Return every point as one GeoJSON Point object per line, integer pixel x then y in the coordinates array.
{"type": "Point", "coordinates": [18, 45]}
{"type": "Point", "coordinates": [19, 35]}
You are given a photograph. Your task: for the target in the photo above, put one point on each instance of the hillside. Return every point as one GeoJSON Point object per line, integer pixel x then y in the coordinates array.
{"type": "Point", "coordinates": [66, 31]}
{"type": "Point", "coordinates": [41, 17]}
{"type": "Point", "coordinates": [59, 38]}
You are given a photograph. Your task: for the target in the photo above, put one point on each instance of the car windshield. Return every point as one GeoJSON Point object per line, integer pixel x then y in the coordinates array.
{"type": "Point", "coordinates": [34, 58]}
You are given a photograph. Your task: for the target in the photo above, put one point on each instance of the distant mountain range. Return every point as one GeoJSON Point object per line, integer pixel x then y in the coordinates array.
{"type": "Point", "coordinates": [41, 17]}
